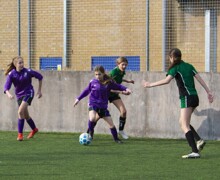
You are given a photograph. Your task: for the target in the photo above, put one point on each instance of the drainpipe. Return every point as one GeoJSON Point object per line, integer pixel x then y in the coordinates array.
{"type": "Point", "coordinates": [207, 41]}
{"type": "Point", "coordinates": [210, 40]}
{"type": "Point", "coordinates": [214, 38]}
{"type": "Point", "coordinates": [164, 8]}
{"type": "Point", "coordinates": [147, 36]}
{"type": "Point", "coordinates": [64, 62]}
{"type": "Point", "coordinates": [29, 33]}
{"type": "Point", "coordinates": [19, 28]}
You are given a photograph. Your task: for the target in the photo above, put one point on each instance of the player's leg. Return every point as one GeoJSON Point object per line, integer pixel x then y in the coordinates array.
{"type": "Point", "coordinates": [185, 116]}
{"type": "Point", "coordinates": [200, 143]}
{"type": "Point", "coordinates": [28, 99]}
{"type": "Point", "coordinates": [97, 118]}
{"type": "Point", "coordinates": [21, 116]}
{"type": "Point", "coordinates": [113, 129]}
{"type": "Point", "coordinates": [31, 123]}
{"type": "Point", "coordinates": [122, 119]}
{"type": "Point", "coordinates": [92, 121]}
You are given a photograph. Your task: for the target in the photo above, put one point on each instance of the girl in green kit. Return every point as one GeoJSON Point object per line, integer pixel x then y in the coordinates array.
{"type": "Point", "coordinates": [118, 75]}
{"type": "Point", "coordinates": [184, 74]}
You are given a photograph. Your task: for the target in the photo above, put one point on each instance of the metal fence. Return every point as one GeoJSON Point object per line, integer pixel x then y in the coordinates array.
{"type": "Point", "coordinates": [75, 31]}
{"type": "Point", "coordinates": [193, 26]}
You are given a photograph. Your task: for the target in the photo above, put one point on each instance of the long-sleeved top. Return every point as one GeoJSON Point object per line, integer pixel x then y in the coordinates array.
{"type": "Point", "coordinates": [99, 93]}
{"type": "Point", "coordinates": [22, 81]}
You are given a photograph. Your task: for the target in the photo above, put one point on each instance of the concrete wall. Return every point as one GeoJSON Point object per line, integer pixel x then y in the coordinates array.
{"type": "Point", "coordinates": [151, 112]}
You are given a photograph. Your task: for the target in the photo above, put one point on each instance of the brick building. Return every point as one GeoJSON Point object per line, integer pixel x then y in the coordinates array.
{"type": "Point", "coordinates": [77, 30]}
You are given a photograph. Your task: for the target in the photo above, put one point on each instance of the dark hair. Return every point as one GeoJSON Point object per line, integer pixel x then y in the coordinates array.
{"type": "Point", "coordinates": [177, 57]}
{"type": "Point", "coordinates": [106, 79]}
{"type": "Point", "coordinates": [12, 64]}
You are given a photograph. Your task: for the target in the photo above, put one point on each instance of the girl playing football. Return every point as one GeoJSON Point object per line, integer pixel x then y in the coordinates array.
{"type": "Point", "coordinates": [21, 77]}
{"type": "Point", "coordinates": [117, 74]}
{"type": "Point", "coordinates": [99, 89]}
{"type": "Point", "coordinates": [184, 74]}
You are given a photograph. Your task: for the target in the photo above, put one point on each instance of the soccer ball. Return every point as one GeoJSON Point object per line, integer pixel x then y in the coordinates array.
{"type": "Point", "coordinates": [85, 139]}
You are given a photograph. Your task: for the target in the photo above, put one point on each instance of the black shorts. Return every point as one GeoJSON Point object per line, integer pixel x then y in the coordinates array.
{"type": "Point", "coordinates": [113, 97]}
{"type": "Point", "coordinates": [28, 99]}
{"type": "Point", "coordinates": [101, 112]}
{"type": "Point", "coordinates": [189, 101]}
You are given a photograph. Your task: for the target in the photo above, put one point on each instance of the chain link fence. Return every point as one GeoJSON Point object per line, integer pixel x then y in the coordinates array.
{"type": "Point", "coordinates": [68, 34]}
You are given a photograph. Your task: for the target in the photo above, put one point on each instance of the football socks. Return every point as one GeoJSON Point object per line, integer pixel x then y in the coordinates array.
{"type": "Point", "coordinates": [191, 141]}
{"type": "Point", "coordinates": [195, 134]}
{"type": "Point", "coordinates": [31, 123]}
{"type": "Point", "coordinates": [122, 121]}
{"type": "Point", "coordinates": [20, 125]}
{"type": "Point", "coordinates": [114, 133]}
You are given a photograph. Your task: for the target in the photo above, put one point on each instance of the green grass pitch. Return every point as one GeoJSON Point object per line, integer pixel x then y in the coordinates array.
{"type": "Point", "coordinates": [60, 156]}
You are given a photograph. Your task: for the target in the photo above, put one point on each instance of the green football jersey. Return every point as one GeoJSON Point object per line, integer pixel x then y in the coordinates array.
{"type": "Point", "coordinates": [117, 75]}
{"type": "Point", "coordinates": [184, 75]}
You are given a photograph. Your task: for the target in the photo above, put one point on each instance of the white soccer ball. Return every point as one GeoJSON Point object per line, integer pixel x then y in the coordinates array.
{"type": "Point", "coordinates": [85, 139]}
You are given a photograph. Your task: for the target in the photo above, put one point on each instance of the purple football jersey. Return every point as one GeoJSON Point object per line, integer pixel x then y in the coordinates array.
{"type": "Point", "coordinates": [99, 93]}
{"type": "Point", "coordinates": [21, 81]}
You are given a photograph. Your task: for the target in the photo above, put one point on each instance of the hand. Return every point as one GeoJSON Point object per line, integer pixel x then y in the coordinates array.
{"type": "Point", "coordinates": [210, 97]}
{"type": "Point", "coordinates": [39, 94]}
{"type": "Point", "coordinates": [76, 102]}
{"type": "Point", "coordinates": [127, 92]}
{"type": "Point", "coordinates": [10, 96]}
{"type": "Point", "coordinates": [131, 81]}
{"type": "Point", "coordinates": [146, 84]}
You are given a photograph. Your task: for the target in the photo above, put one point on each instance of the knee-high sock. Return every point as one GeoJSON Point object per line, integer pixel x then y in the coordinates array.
{"type": "Point", "coordinates": [94, 124]}
{"type": "Point", "coordinates": [122, 121]}
{"type": "Point", "coordinates": [31, 123]}
{"type": "Point", "coordinates": [91, 126]}
{"type": "Point", "coordinates": [114, 133]}
{"type": "Point", "coordinates": [195, 134]}
{"type": "Point", "coordinates": [191, 141]}
{"type": "Point", "coordinates": [20, 125]}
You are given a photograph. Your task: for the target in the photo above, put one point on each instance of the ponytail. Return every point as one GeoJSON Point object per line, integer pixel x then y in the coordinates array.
{"type": "Point", "coordinates": [107, 79]}
{"type": "Point", "coordinates": [10, 67]}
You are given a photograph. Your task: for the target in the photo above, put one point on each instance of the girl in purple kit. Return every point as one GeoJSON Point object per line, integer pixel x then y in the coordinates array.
{"type": "Point", "coordinates": [99, 90]}
{"type": "Point", "coordinates": [21, 77]}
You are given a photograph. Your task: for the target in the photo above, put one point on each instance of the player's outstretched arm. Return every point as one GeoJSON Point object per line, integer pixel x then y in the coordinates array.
{"type": "Point", "coordinates": [126, 92]}
{"type": "Point", "coordinates": [128, 81]}
{"type": "Point", "coordinates": [157, 83]}
{"type": "Point", "coordinates": [76, 102]}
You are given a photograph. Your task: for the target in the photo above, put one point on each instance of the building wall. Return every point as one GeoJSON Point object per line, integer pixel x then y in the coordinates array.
{"type": "Point", "coordinates": [155, 35]}
{"type": "Point", "coordinates": [8, 32]}
{"type": "Point", "coordinates": [105, 28]}
{"type": "Point", "coordinates": [151, 112]}
{"type": "Point", "coordinates": [109, 28]}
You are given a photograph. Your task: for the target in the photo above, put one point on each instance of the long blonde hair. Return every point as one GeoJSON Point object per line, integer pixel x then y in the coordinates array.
{"type": "Point", "coordinates": [106, 79]}
{"type": "Point", "coordinates": [12, 64]}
